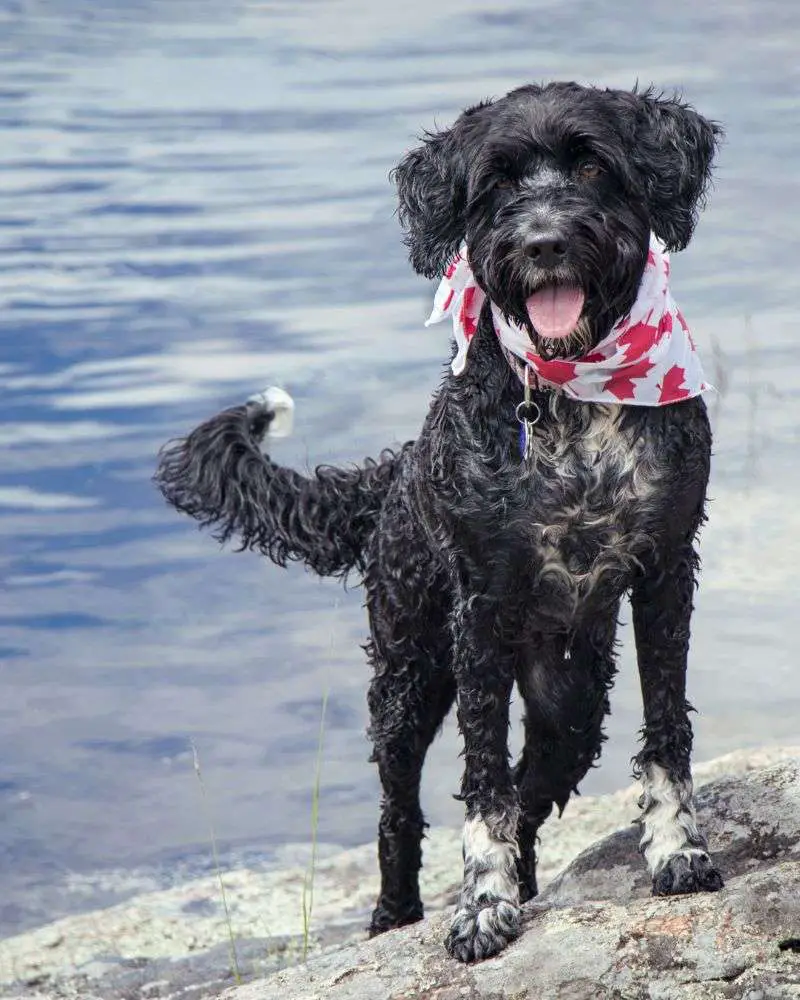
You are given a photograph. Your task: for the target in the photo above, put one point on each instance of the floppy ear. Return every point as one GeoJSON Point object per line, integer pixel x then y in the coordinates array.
{"type": "Point", "coordinates": [673, 148]}
{"type": "Point", "coordinates": [432, 188]}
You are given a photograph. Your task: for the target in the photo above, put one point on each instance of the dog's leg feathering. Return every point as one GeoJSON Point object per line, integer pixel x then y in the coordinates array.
{"type": "Point", "coordinates": [488, 916]}
{"type": "Point", "coordinates": [675, 850]}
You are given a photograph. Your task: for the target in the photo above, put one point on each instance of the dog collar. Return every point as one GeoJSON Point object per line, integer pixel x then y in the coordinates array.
{"type": "Point", "coordinates": [648, 358]}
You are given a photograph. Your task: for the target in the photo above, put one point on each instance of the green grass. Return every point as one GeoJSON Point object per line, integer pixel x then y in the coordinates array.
{"type": "Point", "coordinates": [237, 975]}
{"type": "Point", "coordinates": [308, 880]}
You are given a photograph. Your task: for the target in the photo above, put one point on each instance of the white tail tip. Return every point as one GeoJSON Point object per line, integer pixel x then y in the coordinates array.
{"type": "Point", "coordinates": [279, 401]}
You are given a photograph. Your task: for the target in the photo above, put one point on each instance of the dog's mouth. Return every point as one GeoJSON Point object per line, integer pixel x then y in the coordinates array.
{"type": "Point", "coordinates": [555, 310]}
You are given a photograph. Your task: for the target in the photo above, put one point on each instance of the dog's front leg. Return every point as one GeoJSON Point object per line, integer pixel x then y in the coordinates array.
{"type": "Point", "coordinates": [675, 850]}
{"type": "Point", "coordinates": [488, 914]}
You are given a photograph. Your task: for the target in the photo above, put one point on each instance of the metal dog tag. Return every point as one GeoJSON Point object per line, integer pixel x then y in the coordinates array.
{"type": "Point", "coordinates": [528, 414]}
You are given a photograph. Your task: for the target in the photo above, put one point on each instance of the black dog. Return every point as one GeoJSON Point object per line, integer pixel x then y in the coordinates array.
{"type": "Point", "coordinates": [484, 567]}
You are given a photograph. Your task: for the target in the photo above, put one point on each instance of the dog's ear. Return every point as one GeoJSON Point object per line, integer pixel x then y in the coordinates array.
{"type": "Point", "coordinates": [673, 149]}
{"type": "Point", "coordinates": [432, 189]}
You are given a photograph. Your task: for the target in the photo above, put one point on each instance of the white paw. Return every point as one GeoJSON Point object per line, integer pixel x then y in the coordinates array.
{"type": "Point", "coordinates": [687, 871]}
{"type": "Point", "coordinates": [480, 932]}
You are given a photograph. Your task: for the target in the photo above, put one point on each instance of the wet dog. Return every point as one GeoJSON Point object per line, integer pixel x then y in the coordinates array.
{"type": "Point", "coordinates": [492, 557]}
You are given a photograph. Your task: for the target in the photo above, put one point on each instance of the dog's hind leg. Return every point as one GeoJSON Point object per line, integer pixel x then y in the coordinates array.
{"type": "Point", "coordinates": [675, 850]}
{"type": "Point", "coordinates": [408, 701]}
{"type": "Point", "coordinates": [564, 686]}
{"type": "Point", "coordinates": [411, 692]}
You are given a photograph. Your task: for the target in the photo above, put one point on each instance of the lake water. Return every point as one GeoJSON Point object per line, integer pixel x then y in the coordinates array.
{"type": "Point", "coordinates": [195, 204]}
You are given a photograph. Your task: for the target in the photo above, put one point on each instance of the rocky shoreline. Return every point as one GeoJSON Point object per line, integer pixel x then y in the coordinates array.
{"type": "Point", "coordinates": [174, 943]}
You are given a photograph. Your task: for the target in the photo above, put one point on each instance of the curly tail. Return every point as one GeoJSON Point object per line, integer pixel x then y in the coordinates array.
{"type": "Point", "coordinates": [219, 476]}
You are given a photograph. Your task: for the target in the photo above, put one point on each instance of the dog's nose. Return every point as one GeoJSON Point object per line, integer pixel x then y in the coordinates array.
{"type": "Point", "coordinates": [546, 251]}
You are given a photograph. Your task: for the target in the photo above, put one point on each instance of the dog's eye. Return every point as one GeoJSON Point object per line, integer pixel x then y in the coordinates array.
{"type": "Point", "coordinates": [504, 184]}
{"type": "Point", "coordinates": [589, 169]}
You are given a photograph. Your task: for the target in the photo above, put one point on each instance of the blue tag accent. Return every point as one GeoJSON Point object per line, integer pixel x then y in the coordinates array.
{"type": "Point", "coordinates": [522, 440]}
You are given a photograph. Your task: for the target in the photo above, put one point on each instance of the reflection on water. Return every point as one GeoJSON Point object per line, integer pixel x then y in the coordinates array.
{"type": "Point", "coordinates": [196, 205]}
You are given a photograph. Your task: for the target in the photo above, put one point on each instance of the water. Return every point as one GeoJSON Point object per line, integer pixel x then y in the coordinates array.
{"type": "Point", "coordinates": [195, 205]}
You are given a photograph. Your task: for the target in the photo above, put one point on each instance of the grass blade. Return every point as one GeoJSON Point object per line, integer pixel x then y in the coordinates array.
{"type": "Point", "coordinates": [237, 975]}
{"type": "Point", "coordinates": [308, 880]}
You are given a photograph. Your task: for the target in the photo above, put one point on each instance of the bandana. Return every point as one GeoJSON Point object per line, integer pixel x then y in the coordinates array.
{"type": "Point", "coordinates": [648, 358]}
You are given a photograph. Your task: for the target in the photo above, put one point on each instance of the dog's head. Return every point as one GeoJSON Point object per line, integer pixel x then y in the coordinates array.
{"type": "Point", "coordinates": [555, 190]}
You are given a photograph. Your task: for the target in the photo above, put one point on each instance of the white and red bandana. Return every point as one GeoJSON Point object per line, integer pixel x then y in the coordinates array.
{"type": "Point", "coordinates": [648, 358]}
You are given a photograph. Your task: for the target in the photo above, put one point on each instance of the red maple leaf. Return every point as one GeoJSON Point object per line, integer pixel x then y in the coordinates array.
{"type": "Point", "coordinates": [686, 330]}
{"type": "Point", "coordinates": [622, 388]}
{"type": "Point", "coordinates": [468, 321]}
{"type": "Point", "coordinates": [651, 259]}
{"type": "Point", "coordinates": [665, 325]}
{"type": "Point", "coordinates": [623, 385]}
{"type": "Point", "coordinates": [451, 267]}
{"type": "Point", "coordinates": [638, 339]}
{"type": "Point", "coordinates": [594, 356]}
{"type": "Point", "coordinates": [448, 300]}
{"type": "Point", "coordinates": [671, 387]}
{"type": "Point", "coordinates": [558, 372]}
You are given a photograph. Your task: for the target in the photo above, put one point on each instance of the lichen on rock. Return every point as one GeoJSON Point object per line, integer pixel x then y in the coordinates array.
{"type": "Point", "coordinates": [594, 933]}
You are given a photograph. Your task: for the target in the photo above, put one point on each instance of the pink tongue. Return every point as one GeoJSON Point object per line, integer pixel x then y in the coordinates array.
{"type": "Point", "coordinates": [555, 310]}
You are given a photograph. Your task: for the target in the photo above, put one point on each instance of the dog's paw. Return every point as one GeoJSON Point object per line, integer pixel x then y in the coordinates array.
{"type": "Point", "coordinates": [686, 871]}
{"type": "Point", "coordinates": [388, 919]}
{"type": "Point", "coordinates": [483, 931]}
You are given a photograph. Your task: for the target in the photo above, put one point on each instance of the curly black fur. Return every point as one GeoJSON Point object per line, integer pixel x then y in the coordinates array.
{"type": "Point", "coordinates": [481, 570]}
{"type": "Point", "coordinates": [219, 476]}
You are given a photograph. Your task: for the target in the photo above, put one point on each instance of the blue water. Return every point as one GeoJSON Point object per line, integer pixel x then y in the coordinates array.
{"type": "Point", "coordinates": [195, 204]}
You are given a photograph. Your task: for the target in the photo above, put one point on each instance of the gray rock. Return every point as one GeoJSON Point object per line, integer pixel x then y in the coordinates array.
{"type": "Point", "coordinates": [705, 947]}
{"type": "Point", "coordinates": [752, 822]}
{"type": "Point", "coordinates": [596, 934]}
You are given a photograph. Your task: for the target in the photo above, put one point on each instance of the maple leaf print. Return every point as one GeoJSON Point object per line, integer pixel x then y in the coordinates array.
{"type": "Point", "coordinates": [672, 386]}
{"type": "Point", "coordinates": [468, 321]}
{"type": "Point", "coordinates": [558, 372]}
{"type": "Point", "coordinates": [686, 330]}
{"type": "Point", "coordinates": [451, 267]}
{"type": "Point", "coordinates": [638, 339]}
{"type": "Point", "coordinates": [623, 384]}
{"type": "Point", "coordinates": [665, 325]}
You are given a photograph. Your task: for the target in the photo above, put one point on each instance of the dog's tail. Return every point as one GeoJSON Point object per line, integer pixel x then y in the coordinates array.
{"type": "Point", "coordinates": [219, 476]}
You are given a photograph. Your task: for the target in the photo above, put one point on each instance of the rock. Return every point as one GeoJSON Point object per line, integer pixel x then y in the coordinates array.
{"type": "Point", "coordinates": [751, 822]}
{"type": "Point", "coordinates": [597, 934]}
{"type": "Point", "coordinates": [705, 947]}
{"type": "Point", "coordinates": [174, 942]}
